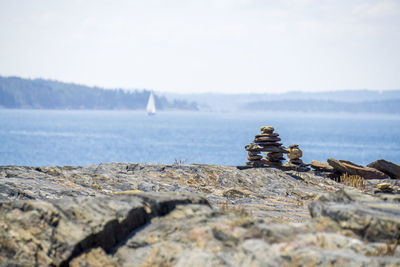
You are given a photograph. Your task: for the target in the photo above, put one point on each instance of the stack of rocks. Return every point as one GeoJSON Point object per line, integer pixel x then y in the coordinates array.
{"type": "Point", "coordinates": [268, 140]}
{"type": "Point", "coordinates": [254, 156]}
{"type": "Point", "coordinates": [294, 154]}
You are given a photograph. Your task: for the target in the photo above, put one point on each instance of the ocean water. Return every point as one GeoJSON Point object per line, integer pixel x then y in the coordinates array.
{"type": "Point", "coordinates": [59, 137]}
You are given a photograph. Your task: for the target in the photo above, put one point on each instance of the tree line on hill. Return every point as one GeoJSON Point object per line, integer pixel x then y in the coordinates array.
{"type": "Point", "coordinates": [389, 106]}
{"type": "Point", "coordinates": [22, 93]}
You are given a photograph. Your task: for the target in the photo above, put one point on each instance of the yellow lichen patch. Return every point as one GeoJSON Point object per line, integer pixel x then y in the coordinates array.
{"type": "Point", "coordinates": [127, 192]}
{"type": "Point", "coordinates": [191, 181]}
{"type": "Point", "coordinates": [236, 192]}
{"type": "Point", "coordinates": [383, 186]}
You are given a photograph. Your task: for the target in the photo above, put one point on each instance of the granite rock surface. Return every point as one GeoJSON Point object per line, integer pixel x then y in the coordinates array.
{"type": "Point", "coordinates": [128, 214]}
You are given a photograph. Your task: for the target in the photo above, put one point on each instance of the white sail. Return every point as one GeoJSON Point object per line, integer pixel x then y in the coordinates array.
{"type": "Point", "coordinates": [151, 107]}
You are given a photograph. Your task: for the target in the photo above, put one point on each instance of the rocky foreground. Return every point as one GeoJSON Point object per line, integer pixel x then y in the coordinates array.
{"type": "Point", "coordinates": [126, 214]}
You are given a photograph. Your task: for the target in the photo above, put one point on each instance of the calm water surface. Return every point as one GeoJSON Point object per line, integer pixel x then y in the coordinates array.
{"type": "Point", "coordinates": [48, 137]}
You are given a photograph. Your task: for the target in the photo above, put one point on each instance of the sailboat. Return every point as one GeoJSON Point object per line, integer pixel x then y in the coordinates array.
{"type": "Point", "coordinates": [151, 106]}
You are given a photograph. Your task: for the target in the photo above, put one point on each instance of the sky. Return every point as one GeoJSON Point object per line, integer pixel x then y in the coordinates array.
{"type": "Point", "coordinates": [220, 46]}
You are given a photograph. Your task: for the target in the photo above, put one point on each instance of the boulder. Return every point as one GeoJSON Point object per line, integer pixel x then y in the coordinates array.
{"type": "Point", "coordinates": [321, 166]}
{"type": "Point", "coordinates": [351, 168]}
{"type": "Point", "coordinates": [387, 167]}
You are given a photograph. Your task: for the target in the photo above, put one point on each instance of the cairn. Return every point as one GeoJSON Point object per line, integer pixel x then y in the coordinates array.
{"type": "Point", "coordinates": [267, 142]}
{"type": "Point", "coordinates": [254, 157]}
{"type": "Point", "coordinates": [274, 151]}
{"type": "Point", "coordinates": [294, 154]}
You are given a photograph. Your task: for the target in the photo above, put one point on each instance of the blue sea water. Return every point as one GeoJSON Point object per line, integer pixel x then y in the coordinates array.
{"type": "Point", "coordinates": [62, 137]}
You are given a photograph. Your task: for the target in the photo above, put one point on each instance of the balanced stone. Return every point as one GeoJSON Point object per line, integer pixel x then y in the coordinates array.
{"type": "Point", "coordinates": [267, 129]}
{"type": "Point", "coordinates": [254, 157]}
{"type": "Point", "coordinates": [267, 135]}
{"type": "Point", "coordinates": [272, 163]}
{"type": "Point", "coordinates": [296, 161]}
{"type": "Point", "coordinates": [294, 152]}
{"type": "Point", "coordinates": [253, 147]}
{"type": "Point", "coordinates": [274, 154]}
{"type": "Point", "coordinates": [269, 144]}
{"type": "Point", "coordinates": [267, 139]}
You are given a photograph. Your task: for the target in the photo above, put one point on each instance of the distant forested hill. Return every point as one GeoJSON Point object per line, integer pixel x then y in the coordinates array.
{"type": "Point", "coordinates": [45, 94]}
{"type": "Point", "coordinates": [391, 106]}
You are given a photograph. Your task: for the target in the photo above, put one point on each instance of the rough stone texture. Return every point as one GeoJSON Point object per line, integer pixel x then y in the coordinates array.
{"type": "Point", "coordinates": [351, 168]}
{"type": "Point", "coordinates": [99, 215]}
{"type": "Point", "coordinates": [276, 194]}
{"type": "Point", "coordinates": [387, 167]}
{"type": "Point", "coordinates": [55, 231]}
{"type": "Point", "coordinates": [367, 216]}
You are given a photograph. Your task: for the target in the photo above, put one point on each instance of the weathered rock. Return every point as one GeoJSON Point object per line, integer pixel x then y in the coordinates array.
{"type": "Point", "coordinates": [273, 163]}
{"type": "Point", "coordinates": [266, 139]}
{"type": "Point", "coordinates": [273, 149]}
{"type": "Point", "coordinates": [54, 232]}
{"type": "Point", "coordinates": [386, 167]}
{"type": "Point", "coordinates": [383, 186]}
{"type": "Point", "coordinates": [296, 161]}
{"type": "Point", "coordinates": [321, 166]}
{"type": "Point", "coordinates": [267, 135]}
{"type": "Point", "coordinates": [264, 144]}
{"type": "Point", "coordinates": [247, 225]}
{"type": "Point", "coordinates": [366, 216]}
{"type": "Point", "coordinates": [267, 129]}
{"type": "Point", "coordinates": [351, 168]}
{"type": "Point", "coordinates": [274, 156]}
{"type": "Point", "coordinates": [255, 157]}
{"type": "Point", "coordinates": [252, 153]}
{"type": "Point", "coordinates": [253, 147]}
{"type": "Point", "coordinates": [294, 153]}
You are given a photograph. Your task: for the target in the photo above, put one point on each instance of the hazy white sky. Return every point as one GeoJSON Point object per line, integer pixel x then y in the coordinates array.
{"type": "Point", "coordinates": [205, 45]}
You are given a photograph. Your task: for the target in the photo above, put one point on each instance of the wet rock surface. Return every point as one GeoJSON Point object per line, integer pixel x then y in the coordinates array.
{"type": "Point", "coordinates": [128, 214]}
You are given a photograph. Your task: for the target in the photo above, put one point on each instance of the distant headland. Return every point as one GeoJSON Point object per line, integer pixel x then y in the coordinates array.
{"type": "Point", "coordinates": [19, 93]}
